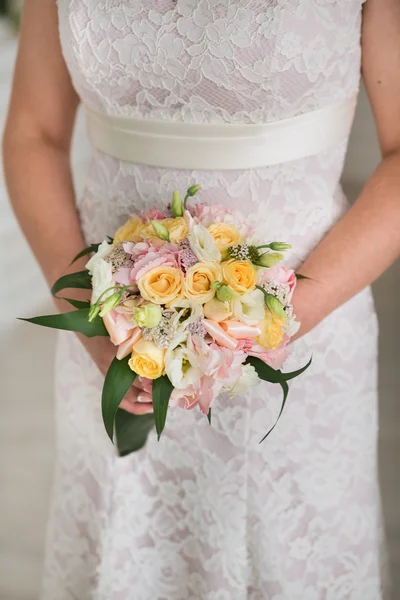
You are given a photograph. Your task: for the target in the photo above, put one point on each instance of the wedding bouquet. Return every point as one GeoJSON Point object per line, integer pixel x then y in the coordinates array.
{"type": "Point", "coordinates": [195, 306]}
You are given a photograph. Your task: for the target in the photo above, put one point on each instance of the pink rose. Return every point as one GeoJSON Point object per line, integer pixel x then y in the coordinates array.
{"type": "Point", "coordinates": [147, 257]}
{"type": "Point", "coordinates": [273, 358]}
{"type": "Point", "coordinates": [119, 326]}
{"type": "Point", "coordinates": [281, 274]}
{"type": "Point", "coordinates": [154, 214]}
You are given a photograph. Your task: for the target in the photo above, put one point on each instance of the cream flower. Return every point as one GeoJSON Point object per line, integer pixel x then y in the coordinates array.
{"type": "Point", "coordinates": [202, 244]}
{"type": "Point", "coordinates": [215, 310]}
{"type": "Point", "coordinates": [249, 308]}
{"type": "Point", "coordinates": [182, 364]}
{"type": "Point", "coordinates": [248, 379]}
{"type": "Point", "coordinates": [102, 280]}
{"type": "Point", "coordinates": [101, 253]}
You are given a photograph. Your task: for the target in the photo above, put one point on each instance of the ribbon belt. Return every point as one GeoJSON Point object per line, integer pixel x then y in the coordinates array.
{"type": "Point", "coordinates": [176, 145]}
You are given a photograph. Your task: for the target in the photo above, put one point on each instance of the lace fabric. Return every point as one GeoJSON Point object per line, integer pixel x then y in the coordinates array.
{"type": "Point", "coordinates": [208, 513]}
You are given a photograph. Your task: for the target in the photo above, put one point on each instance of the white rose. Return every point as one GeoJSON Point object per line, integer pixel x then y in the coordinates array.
{"type": "Point", "coordinates": [249, 308]}
{"type": "Point", "coordinates": [248, 379]}
{"type": "Point", "coordinates": [102, 279]}
{"type": "Point", "coordinates": [101, 253]}
{"type": "Point", "coordinates": [182, 364]}
{"type": "Point", "coordinates": [203, 245]}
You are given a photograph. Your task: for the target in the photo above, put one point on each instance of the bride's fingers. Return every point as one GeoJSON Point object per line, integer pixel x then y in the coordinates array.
{"type": "Point", "coordinates": [144, 397]}
{"type": "Point", "coordinates": [137, 402]}
{"type": "Point", "coordinates": [136, 408]}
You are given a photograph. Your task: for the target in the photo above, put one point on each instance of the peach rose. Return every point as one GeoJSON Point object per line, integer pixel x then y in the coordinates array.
{"type": "Point", "coordinates": [240, 275]}
{"type": "Point", "coordinates": [147, 359]}
{"type": "Point", "coordinates": [225, 235]}
{"type": "Point", "coordinates": [199, 280]}
{"type": "Point", "coordinates": [130, 231]}
{"type": "Point", "coordinates": [161, 284]}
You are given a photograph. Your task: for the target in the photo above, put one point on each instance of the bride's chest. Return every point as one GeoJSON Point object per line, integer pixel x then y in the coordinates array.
{"type": "Point", "coordinates": [168, 50]}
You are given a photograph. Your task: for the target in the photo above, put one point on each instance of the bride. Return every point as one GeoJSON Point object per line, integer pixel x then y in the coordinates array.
{"type": "Point", "coordinates": [208, 513]}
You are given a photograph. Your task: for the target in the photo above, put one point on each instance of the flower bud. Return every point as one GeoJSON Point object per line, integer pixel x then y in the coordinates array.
{"type": "Point", "coordinates": [161, 231]}
{"type": "Point", "coordinates": [93, 312]}
{"type": "Point", "coordinates": [280, 246]}
{"type": "Point", "coordinates": [224, 293]}
{"type": "Point", "coordinates": [177, 205]}
{"type": "Point", "coordinates": [269, 259]}
{"type": "Point", "coordinates": [148, 315]}
{"type": "Point", "coordinates": [111, 302]}
{"type": "Point", "coordinates": [275, 306]}
{"type": "Point", "coordinates": [193, 190]}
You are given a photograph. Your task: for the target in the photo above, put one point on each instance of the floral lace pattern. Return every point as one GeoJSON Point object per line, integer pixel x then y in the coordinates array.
{"type": "Point", "coordinates": [208, 513]}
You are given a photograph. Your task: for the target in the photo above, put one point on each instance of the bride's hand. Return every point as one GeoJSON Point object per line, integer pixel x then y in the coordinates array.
{"type": "Point", "coordinates": [103, 352]}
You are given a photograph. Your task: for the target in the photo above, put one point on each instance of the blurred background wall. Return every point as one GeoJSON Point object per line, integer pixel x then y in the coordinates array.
{"type": "Point", "coordinates": [26, 385]}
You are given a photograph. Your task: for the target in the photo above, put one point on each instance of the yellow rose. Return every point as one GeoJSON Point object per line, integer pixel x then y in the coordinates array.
{"type": "Point", "coordinates": [130, 231]}
{"type": "Point", "coordinates": [272, 328]}
{"type": "Point", "coordinates": [199, 280]}
{"type": "Point", "coordinates": [177, 229]}
{"type": "Point", "coordinates": [161, 284]}
{"type": "Point", "coordinates": [240, 275]}
{"type": "Point", "coordinates": [225, 235]}
{"type": "Point", "coordinates": [147, 359]}
{"type": "Point", "coordinates": [147, 231]}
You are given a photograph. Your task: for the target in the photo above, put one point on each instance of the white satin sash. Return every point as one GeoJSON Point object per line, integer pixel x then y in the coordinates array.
{"type": "Point", "coordinates": [176, 145]}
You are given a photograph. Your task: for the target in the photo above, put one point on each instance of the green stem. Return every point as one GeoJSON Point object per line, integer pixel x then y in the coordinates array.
{"type": "Point", "coordinates": [185, 200]}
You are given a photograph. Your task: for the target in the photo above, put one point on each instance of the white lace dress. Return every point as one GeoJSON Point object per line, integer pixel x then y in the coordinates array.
{"type": "Point", "coordinates": [208, 513]}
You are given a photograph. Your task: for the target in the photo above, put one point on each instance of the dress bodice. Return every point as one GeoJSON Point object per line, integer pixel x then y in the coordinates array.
{"type": "Point", "coordinates": [212, 60]}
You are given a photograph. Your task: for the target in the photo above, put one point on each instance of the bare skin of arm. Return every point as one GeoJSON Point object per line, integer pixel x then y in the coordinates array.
{"type": "Point", "coordinates": [36, 149]}
{"type": "Point", "coordinates": [366, 241]}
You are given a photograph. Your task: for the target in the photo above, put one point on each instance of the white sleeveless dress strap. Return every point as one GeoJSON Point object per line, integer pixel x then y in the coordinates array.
{"type": "Point", "coordinates": [178, 145]}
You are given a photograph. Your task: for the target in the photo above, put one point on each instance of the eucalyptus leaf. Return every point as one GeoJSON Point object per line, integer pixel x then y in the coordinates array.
{"type": "Point", "coordinates": [80, 280]}
{"type": "Point", "coordinates": [118, 381]}
{"type": "Point", "coordinates": [162, 390]}
{"type": "Point", "coordinates": [76, 320]}
{"type": "Point", "coordinates": [85, 251]}
{"type": "Point", "coordinates": [131, 431]}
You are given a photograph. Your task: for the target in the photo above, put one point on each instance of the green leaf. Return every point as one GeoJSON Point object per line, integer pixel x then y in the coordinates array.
{"type": "Point", "coordinates": [300, 276]}
{"type": "Point", "coordinates": [209, 415]}
{"type": "Point", "coordinates": [76, 320]}
{"type": "Point", "coordinates": [77, 303]}
{"type": "Point", "coordinates": [162, 390]}
{"type": "Point", "coordinates": [88, 250]}
{"type": "Point", "coordinates": [80, 280]}
{"type": "Point", "coordinates": [285, 389]}
{"type": "Point", "coordinates": [131, 431]}
{"type": "Point", "coordinates": [117, 382]}
{"type": "Point", "coordinates": [267, 373]}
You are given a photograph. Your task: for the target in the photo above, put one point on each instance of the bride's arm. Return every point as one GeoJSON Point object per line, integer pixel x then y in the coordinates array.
{"type": "Point", "coordinates": [366, 241]}
{"type": "Point", "coordinates": [36, 148]}
{"type": "Point", "coordinates": [37, 140]}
